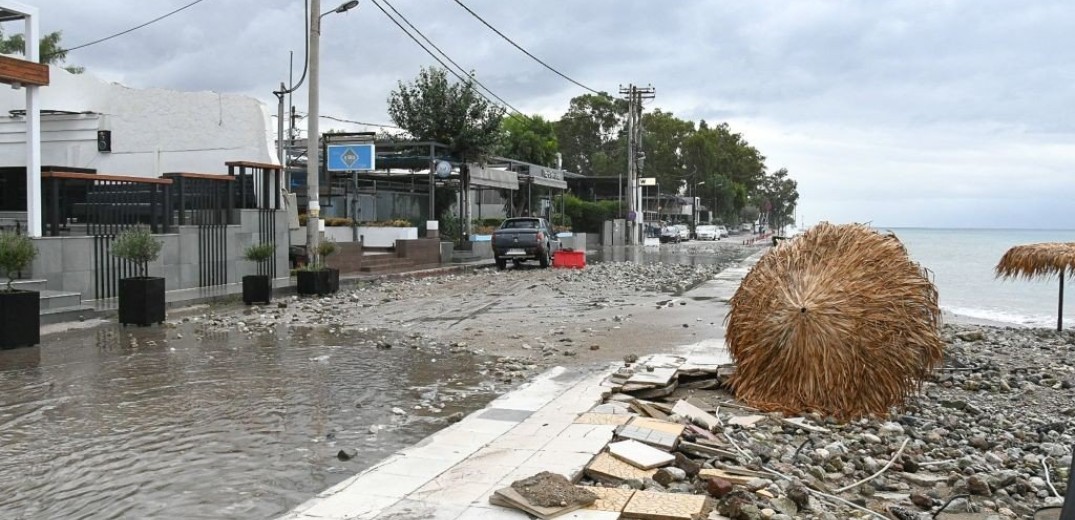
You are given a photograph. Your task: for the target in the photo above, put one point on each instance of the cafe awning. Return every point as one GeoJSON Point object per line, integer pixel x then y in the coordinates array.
{"type": "Point", "coordinates": [493, 178]}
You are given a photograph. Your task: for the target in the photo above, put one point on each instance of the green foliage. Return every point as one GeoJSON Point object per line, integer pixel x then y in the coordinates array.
{"type": "Point", "coordinates": [50, 49]}
{"type": "Point", "coordinates": [750, 214]}
{"type": "Point", "coordinates": [326, 248]}
{"type": "Point", "coordinates": [259, 252]}
{"type": "Point", "coordinates": [16, 253]}
{"type": "Point", "coordinates": [590, 135]}
{"type": "Point", "coordinates": [137, 245]}
{"type": "Point", "coordinates": [588, 217]}
{"type": "Point", "coordinates": [531, 139]}
{"type": "Point", "coordinates": [397, 223]}
{"type": "Point", "coordinates": [433, 109]}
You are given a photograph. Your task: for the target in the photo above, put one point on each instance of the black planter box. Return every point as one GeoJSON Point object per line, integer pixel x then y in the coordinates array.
{"type": "Point", "coordinates": [141, 301]}
{"type": "Point", "coordinates": [325, 281]}
{"type": "Point", "coordinates": [257, 288]}
{"type": "Point", "coordinates": [20, 319]}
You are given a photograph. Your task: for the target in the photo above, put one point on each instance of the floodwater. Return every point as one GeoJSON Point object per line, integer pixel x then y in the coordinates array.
{"type": "Point", "coordinates": [137, 423]}
{"type": "Point", "coordinates": [685, 253]}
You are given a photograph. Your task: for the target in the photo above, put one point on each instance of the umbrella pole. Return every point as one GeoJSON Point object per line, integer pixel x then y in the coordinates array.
{"type": "Point", "coordinates": [1060, 305]}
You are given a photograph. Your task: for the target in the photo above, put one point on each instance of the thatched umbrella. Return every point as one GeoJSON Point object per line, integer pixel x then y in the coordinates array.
{"type": "Point", "coordinates": [839, 321]}
{"type": "Point", "coordinates": [1040, 261]}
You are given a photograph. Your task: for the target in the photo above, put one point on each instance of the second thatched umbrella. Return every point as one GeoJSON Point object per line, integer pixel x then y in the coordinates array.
{"type": "Point", "coordinates": [839, 321]}
{"type": "Point", "coordinates": [1040, 261]}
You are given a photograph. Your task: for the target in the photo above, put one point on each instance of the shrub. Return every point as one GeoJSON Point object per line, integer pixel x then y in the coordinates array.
{"type": "Point", "coordinates": [259, 252]}
{"type": "Point", "coordinates": [399, 222]}
{"type": "Point", "coordinates": [137, 245]}
{"type": "Point", "coordinates": [16, 253]}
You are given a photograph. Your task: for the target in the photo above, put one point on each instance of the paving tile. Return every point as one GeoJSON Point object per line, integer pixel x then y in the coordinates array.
{"type": "Point", "coordinates": [662, 361]}
{"type": "Point", "coordinates": [520, 441]}
{"type": "Point", "coordinates": [411, 509]}
{"type": "Point", "coordinates": [746, 421]}
{"type": "Point", "coordinates": [656, 377]}
{"type": "Point", "coordinates": [663, 506]}
{"type": "Point", "coordinates": [486, 428]}
{"type": "Point", "coordinates": [603, 418]}
{"type": "Point", "coordinates": [501, 456]}
{"type": "Point", "coordinates": [640, 455]}
{"type": "Point", "coordinates": [609, 499]}
{"type": "Point", "coordinates": [607, 468]}
{"type": "Point", "coordinates": [696, 415]}
{"type": "Point", "coordinates": [582, 438]}
{"type": "Point", "coordinates": [350, 509]}
{"type": "Point", "coordinates": [491, 512]}
{"type": "Point", "coordinates": [613, 407]}
{"type": "Point", "coordinates": [567, 464]}
{"type": "Point", "coordinates": [589, 514]}
{"type": "Point", "coordinates": [382, 483]}
{"type": "Point", "coordinates": [509, 497]}
{"type": "Point", "coordinates": [417, 466]}
{"type": "Point", "coordinates": [460, 494]}
{"type": "Point", "coordinates": [654, 438]}
{"type": "Point", "coordinates": [505, 414]}
{"type": "Point", "coordinates": [659, 425]}
{"type": "Point", "coordinates": [470, 471]}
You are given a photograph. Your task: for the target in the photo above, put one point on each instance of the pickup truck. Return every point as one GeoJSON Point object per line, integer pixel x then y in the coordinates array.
{"type": "Point", "coordinates": [521, 239]}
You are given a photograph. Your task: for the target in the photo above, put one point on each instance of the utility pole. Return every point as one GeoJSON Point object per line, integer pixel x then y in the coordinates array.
{"type": "Point", "coordinates": [313, 138]}
{"type": "Point", "coordinates": [635, 96]}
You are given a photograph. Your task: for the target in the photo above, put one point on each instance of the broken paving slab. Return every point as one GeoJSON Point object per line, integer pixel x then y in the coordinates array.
{"type": "Point", "coordinates": [545, 495]}
{"type": "Point", "coordinates": [647, 505]}
{"type": "Point", "coordinates": [655, 438]}
{"type": "Point", "coordinates": [695, 414]}
{"type": "Point", "coordinates": [609, 499]}
{"type": "Point", "coordinates": [657, 377]}
{"type": "Point", "coordinates": [708, 473]}
{"type": "Point", "coordinates": [800, 422]}
{"type": "Point", "coordinates": [668, 427]}
{"type": "Point", "coordinates": [612, 407]}
{"type": "Point", "coordinates": [746, 421]}
{"type": "Point", "coordinates": [606, 468]}
{"type": "Point", "coordinates": [510, 498]}
{"type": "Point", "coordinates": [640, 455]}
{"type": "Point", "coordinates": [662, 361]}
{"type": "Point", "coordinates": [612, 419]}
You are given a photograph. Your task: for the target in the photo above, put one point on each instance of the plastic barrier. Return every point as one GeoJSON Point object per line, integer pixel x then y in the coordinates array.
{"type": "Point", "coordinates": [567, 258]}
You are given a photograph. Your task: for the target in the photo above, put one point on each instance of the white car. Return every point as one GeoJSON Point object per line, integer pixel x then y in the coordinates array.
{"type": "Point", "coordinates": [706, 232]}
{"type": "Point", "coordinates": [684, 231]}
{"type": "Point", "coordinates": [723, 231]}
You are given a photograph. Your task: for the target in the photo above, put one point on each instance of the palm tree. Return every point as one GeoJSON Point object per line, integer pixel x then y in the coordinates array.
{"type": "Point", "coordinates": [51, 51]}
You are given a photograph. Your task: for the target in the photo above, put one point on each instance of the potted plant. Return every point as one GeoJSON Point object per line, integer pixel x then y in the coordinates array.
{"type": "Point", "coordinates": [20, 311]}
{"type": "Point", "coordinates": [257, 288]}
{"type": "Point", "coordinates": [141, 298]}
{"type": "Point", "coordinates": [317, 279]}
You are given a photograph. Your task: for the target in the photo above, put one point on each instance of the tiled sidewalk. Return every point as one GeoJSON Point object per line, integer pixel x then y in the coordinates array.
{"type": "Point", "coordinates": [451, 474]}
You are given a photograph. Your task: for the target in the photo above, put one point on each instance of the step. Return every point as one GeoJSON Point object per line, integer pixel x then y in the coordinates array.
{"type": "Point", "coordinates": [59, 299]}
{"type": "Point", "coordinates": [398, 264]}
{"type": "Point", "coordinates": [29, 285]}
{"type": "Point", "coordinates": [379, 262]}
{"type": "Point", "coordinates": [69, 314]}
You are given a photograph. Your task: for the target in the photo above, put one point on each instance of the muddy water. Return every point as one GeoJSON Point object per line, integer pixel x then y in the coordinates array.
{"type": "Point", "coordinates": [103, 424]}
{"type": "Point", "coordinates": [686, 253]}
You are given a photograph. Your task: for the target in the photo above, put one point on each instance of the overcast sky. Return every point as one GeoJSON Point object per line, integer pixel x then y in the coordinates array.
{"type": "Point", "coordinates": [933, 113]}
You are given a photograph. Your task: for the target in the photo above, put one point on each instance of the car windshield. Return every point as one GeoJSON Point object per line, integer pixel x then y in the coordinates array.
{"type": "Point", "coordinates": [520, 223]}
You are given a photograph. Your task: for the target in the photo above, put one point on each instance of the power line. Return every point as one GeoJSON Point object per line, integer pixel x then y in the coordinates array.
{"type": "Point", "coordinates": [449, 58]}
{"type": "Point", "coordinates": [435, 57]}
{"type": "Point", "coordinates": [121, 33]}
{"type": "Point", "coordinates": [351, 121]}
{"type": "Point", "coordinates": [526, 52]}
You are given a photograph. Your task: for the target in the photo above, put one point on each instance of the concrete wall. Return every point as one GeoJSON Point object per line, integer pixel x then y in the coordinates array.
{"type": "Point", "coordinates": [369, 236]}
{"type": "Point", "coordinates": [153, 130]}
{"type": "Point", "coordinates": [67, 263]}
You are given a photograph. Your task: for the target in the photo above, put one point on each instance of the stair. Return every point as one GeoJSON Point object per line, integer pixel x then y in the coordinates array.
{"type": "Point", "coordinates": [57, 306]}
{"type": "Point", "coordinates": [384, 263]}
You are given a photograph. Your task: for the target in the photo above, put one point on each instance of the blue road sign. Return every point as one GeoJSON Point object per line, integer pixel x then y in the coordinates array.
{"type": "Point", "coordinates": [350, 157]}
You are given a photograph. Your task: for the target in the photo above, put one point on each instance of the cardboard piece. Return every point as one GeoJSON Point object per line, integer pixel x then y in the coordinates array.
{"type": "Point", "coordinates": [640, 455]}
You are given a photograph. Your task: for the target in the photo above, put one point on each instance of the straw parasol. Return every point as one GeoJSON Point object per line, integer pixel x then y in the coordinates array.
{"type": "Point", "coordinates": [1040, 261]}
{"type": "Point", "coordinates": [839, 321]}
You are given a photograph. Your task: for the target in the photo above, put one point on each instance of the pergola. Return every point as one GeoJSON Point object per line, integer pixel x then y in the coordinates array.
{"type": "Point", "coordinates": [29, 75]}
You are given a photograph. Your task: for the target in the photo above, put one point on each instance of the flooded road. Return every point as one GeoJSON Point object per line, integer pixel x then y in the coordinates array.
{"type": "Point", "coordinates": [139, 423]}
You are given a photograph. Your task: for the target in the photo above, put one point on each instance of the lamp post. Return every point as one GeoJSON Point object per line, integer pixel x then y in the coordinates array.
{"type": "Point", "coordinates": [694, 205]}
{"type": "Point", "coordinates": [313, 138]}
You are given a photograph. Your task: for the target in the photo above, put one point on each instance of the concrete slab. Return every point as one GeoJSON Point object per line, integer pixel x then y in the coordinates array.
{"type": "Point", "coordinates": [658, 439]}
{"type": "Point", "coordinates": [609, 499]}
{"type": "Point", "coordinates": [696, 415]}
{"type": "Point", "coordinates": [656, 377]}
{"type": "Point", "coordinates": [640, 455]}
{"type": "Point", "coordinates": [607, 468]}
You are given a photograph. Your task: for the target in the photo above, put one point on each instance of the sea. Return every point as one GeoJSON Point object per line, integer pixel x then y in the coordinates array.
{"type": "Point", "coordinates": [962, 263]}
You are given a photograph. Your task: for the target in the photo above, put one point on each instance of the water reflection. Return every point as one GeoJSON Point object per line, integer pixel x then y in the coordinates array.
{"type": "Point", "coordinates": [689, 253]}
{"type": "Point", "coordinates": [144, 423]}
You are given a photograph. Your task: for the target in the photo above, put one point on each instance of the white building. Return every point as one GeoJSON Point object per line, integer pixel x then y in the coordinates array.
{"type": "Point", "coordinates": [153, 131]}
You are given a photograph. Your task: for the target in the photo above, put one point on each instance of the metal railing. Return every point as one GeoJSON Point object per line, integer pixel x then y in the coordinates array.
{"type": "Point", "coordinates": [103, 204]}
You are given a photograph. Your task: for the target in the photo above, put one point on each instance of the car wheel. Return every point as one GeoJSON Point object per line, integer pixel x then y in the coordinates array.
{"type": "Point", "coordinates": [501, 263]}
{"type": "Point", "coordinates": [544, 260]}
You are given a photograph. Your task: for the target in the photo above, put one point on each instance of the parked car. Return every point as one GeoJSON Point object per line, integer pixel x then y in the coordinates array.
{"type": "Point", "coordinates": [723, 231]}
{"type": "Point", "coordinates": [706, 232]}
{"type": "Point", "coordinates": [670, 234]}
{"type": "Point", "coordinates": [684, 231]}
{"type": "Point", "coordinates": [522, 239]}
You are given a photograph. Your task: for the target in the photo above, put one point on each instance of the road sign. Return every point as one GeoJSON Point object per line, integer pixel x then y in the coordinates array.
{"type": "Point", "coordinates": [350, 157]}
{"type": "Point", "coordinates": [647, 181]}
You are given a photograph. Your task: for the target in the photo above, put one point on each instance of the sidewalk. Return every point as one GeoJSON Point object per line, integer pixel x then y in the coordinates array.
{"type": "Point", "coordinates": [178, 298]}
{"type": "Point", "coordinates": [451, 474]}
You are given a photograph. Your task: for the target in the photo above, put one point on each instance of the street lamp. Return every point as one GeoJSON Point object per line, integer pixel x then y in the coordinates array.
{"type": "Point", "coordinates": [694, 203]}
{"type": "Point", "coordinates": [313, 138]}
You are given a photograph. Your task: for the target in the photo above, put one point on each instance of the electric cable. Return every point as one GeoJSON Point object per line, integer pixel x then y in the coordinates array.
{"type": "Point", "coordinates": [121, 33]}
{"type": "Point", "coordinates": [449, 58]}
{"type": "Point", "coordinates": [526, 52]}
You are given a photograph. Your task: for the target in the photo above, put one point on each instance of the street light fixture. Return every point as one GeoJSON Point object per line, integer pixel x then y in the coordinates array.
{"type": "Point", "coordinates": [313, 138]}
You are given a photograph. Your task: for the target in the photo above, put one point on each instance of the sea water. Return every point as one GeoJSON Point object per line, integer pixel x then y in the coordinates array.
{"type": "Point", "coordinates": [962, 262]}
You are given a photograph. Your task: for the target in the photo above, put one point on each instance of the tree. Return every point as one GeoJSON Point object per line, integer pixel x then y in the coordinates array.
{"type": "Point", "coordinates": [455, 114]}
{"type": "Point", "coordinates": [50, 50]}
{"type": "Point", "coordinates": [782, 194]}
{"type": "Point", "coordinates": [663, 139]}
{"type": "Point", "coordinates": [531, 139]}
{"type": "Point", "coordinates": [591, 134]}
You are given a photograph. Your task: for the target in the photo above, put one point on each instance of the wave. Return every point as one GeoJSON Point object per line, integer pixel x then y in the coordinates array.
{"type": "Point", "coordinates": [1006, 318]}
